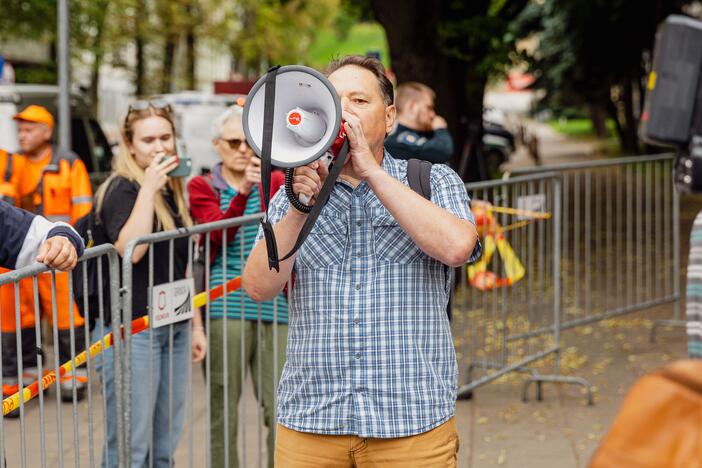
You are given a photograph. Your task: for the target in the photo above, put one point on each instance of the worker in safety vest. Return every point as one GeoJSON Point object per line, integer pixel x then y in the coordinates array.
{"type": "Point", "coordinates": [11, 166]}
{"type": "Point", "coordinates": [54, 183]}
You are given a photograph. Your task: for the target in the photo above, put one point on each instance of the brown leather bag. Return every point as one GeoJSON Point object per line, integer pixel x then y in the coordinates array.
{"type": "Point", "coordinates": [660, 422]}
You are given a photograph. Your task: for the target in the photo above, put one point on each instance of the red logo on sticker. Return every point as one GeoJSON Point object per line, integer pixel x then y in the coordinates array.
{"type": "Point", "coordinates": [294, 118]}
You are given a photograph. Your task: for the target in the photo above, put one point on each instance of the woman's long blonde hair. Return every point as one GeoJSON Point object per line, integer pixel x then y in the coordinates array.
{"type": "Point", "coordinates": [124, 165]}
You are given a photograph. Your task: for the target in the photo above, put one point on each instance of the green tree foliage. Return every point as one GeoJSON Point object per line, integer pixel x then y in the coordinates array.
{"type": "Point", "coordinates": [594, 54]}
{"type": "Point", "coordinates": [27, 19]}
{"type": "Point", "coordinates": [265, 32]}
{"type": "Point", "coordinates": [454, 47]}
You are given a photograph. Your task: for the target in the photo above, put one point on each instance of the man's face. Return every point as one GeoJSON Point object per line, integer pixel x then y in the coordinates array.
{"type": "Point", "coordinates": [360, 95]}
{"type": "Point", "coordinates": [231, 146]}
{"type": "Point", "coordinates": [32, 135]}
{"type": "Point", "coordinates": [424, 112]}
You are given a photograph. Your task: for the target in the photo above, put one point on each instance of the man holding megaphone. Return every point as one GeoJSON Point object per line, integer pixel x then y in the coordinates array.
{"type": "Point", "coordinates": [370, 377]}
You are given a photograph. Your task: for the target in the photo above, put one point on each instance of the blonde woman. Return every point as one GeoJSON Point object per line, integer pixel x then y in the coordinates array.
{"type": "Point", "coordinates": [138, 199]}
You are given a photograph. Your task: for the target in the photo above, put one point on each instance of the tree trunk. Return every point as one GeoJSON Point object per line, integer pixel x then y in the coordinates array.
{"type": "Point", "coordinates": [631, 141]}
{"type": "Point", "coordinates": [191, 79]}
{"type": "Point", "coordinates": [190, 43]}
{"type": "Point", "coordinates": [94, 85]}
{"type": "Point", "coordinates": [94, 95]}
{"type": "Point", "coordinates": [168, 61]}
{"type": "Point", "coordinates": [415, 56]}
{"type": "Point", "coordinates": [614, 115]}
{"type": "Point", "coordinates": [139, 46]}
{"type": "Point", "coordinates": [598, 117]}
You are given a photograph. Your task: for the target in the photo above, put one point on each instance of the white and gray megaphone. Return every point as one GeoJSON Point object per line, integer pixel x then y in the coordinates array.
{"type": "Point", "coordinates": [292, 117]}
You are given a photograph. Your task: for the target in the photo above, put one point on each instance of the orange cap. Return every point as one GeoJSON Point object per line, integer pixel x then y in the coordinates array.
{"type": "Point", "coordinates": [37, 114]}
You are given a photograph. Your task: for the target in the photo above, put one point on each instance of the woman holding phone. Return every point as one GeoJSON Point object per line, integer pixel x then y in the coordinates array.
{"type": "Point", "coordinates": [140, 198]}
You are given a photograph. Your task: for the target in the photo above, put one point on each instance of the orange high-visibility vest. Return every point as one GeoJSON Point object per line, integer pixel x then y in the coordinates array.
{"type": "Point", "coordinates": [63, 192]}
{"type": "Point", "coordinates": [10, 169]}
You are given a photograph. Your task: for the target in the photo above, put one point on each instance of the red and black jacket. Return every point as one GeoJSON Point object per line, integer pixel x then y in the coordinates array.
{"type": "Point", "coordinates": [205, 194]}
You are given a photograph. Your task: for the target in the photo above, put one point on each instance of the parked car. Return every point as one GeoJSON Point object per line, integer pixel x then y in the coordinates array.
{"type": "Point", "coordinates": [194, 114]}
{"type": "Point", "coordinates": [87, 137]}
{"type": "Point", "coordinates": [498, 143]}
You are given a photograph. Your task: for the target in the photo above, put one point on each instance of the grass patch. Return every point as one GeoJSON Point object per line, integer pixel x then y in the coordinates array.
{"type": "Point", "coordinates": [362, 38]}
{"type": "Point", "coordinates": [579, 128]}
{"type": "Point", "coordinates": [582, 128]}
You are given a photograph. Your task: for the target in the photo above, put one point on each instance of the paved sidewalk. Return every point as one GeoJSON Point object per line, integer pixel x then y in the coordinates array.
{"type": "Point", "coordinates": [498, 429]}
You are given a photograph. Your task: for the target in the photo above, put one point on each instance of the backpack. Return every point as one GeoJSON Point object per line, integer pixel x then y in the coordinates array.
{"type": "Point", "coordinates": [93, 232]}
{"type": "Point", "coordinates": [659, 425]}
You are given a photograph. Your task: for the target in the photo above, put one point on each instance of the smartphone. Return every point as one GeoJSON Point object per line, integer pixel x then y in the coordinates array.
{"type": "Point", "coordinates": [183, 169]}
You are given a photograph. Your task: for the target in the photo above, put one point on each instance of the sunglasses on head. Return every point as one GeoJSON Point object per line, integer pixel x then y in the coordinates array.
{"type": "Point", "coordinates": [153, 103]}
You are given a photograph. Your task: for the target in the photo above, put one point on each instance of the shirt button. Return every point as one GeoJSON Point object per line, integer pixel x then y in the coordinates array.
{"type": "Point", "coordinates": [359, 389]}
{"type": "Point", "coordinates": [359, 255]}
{"type": "Point", "coordinates": [356, 321]}
{"type": "Point", "coordinates": [358, 286]}
{"type": "Point", "coordinates": [359, 194]}
{"type": "Point", "coordinates": [358, 223]}
{"type": "Point", "coordinates": [358, 356]}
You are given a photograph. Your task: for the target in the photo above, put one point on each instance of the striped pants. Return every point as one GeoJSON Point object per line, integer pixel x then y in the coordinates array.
{"type": "Point", "coordinates": [694, 290]}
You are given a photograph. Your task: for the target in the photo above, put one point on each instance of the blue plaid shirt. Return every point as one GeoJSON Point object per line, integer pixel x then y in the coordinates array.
{"type": "Point", "coordinates": [369, 347]}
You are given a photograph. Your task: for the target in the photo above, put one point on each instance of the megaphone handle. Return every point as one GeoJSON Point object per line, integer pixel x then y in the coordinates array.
{"type": "Point", "coordinates": [326, 159]}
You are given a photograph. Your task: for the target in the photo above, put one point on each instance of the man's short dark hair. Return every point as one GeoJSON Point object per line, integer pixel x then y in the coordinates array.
{"type": "Point", "coordinates": [371, 64]}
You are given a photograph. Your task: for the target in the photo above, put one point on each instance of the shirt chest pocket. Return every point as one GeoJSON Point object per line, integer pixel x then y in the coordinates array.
{"type": "Point", "coordinates": [391, 243]}
{"type": "Point", "coordinates": [326, 244]}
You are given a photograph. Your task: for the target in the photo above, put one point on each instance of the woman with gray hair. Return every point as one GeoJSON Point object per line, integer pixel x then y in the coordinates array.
{"type": "Point", "coordinates": [233, 189]}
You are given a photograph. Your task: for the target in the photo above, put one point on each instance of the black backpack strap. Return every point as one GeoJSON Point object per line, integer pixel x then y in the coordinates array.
{"type": "Point", "coordinates": [419, 177]}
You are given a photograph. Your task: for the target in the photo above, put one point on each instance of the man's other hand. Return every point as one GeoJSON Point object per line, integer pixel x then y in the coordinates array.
{"type": "Point", "coordinates": [438, 122]}
{"type": "Point", "coordinates": [59, 253]}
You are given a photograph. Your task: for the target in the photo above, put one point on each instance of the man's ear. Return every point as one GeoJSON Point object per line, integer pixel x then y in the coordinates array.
{"type": "Point", "coordinates": [48, 132]}
{"type": "Point", "coordinates": [390, 115]}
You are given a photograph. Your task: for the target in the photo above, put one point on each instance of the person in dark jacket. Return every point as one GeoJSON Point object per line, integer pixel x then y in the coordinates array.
{"type": "Point", "coordinates": [26, 238]}
{"type": "Point", "coordinates": [420, 133]}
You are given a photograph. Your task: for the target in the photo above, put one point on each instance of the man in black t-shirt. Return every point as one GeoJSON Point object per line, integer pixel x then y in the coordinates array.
{"type": "Point", "coordinates": [420, 133]}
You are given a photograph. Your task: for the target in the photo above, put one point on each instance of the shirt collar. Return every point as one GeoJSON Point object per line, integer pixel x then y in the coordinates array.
{"type": "Point", "coordinates": [218, 179]}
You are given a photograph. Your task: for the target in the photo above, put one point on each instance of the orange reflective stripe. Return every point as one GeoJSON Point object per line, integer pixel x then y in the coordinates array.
{"type": "Point", "coordinates": [10, 389]}
{"type": "Point", "coordinates": [69, 378]}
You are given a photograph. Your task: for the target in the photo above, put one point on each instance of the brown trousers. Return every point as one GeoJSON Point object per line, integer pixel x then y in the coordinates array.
{"type": "Point", "coordinates": [435, 448]}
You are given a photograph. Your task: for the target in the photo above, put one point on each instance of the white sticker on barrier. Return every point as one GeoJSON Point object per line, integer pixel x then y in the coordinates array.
{"type": "Point", "coordinates": [535, 203]}
{"type": "Point", "coordinates": [172, 302]}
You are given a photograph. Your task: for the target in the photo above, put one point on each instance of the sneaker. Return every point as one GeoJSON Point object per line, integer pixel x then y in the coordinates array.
{"type": "Point", "coordinates": [81, 376]}
{"type": "Point", "coordinates": [7, 391]}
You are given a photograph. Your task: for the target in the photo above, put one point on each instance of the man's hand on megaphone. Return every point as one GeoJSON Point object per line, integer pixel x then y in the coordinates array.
{"type": "Point", "coordinates": [360, 154]}
{"type": "Point", "coordinates": [308, 180]}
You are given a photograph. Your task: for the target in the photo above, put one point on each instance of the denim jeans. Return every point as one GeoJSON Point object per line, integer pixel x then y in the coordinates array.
{"type": "Point", "coordinates": [158, 408]}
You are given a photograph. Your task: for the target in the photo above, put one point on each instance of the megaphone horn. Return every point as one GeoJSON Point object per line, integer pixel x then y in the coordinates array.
{"type": "Point", "coordinates": [292, 117]}
{"type": "Point", "coordinates": [307, 116]}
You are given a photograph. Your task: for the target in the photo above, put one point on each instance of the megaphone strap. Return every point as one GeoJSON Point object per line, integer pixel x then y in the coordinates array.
{"type": "Point", "coordinates": [266, 144]}
{"type": "Point", "coordinates": [322, 198]}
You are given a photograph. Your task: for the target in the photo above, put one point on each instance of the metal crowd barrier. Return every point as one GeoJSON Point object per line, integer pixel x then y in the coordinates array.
{"type": "Point", "coordinates": [620, 238]}
{"type": "Point", "coordinates": [76, 436]}
{"type": "Point", "coordinates": [510, 327]}
{"type": "Point", "coordinates": [195, 444]}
